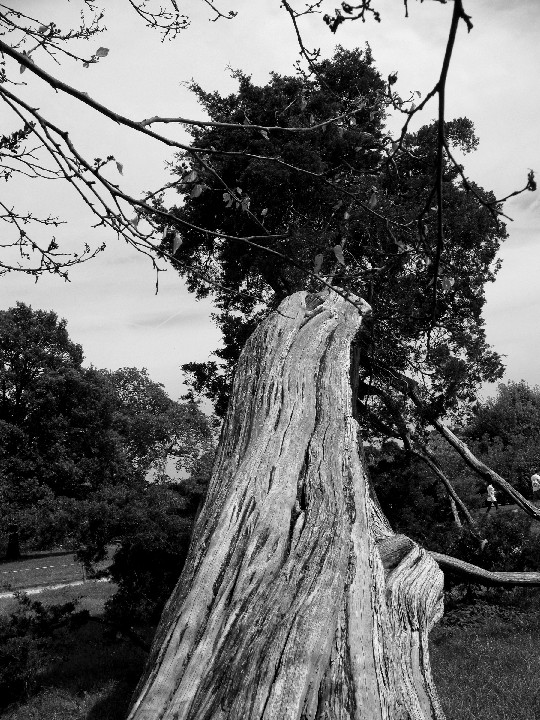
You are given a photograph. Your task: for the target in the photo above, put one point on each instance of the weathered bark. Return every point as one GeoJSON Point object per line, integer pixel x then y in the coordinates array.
{"type": "Point", "coordinates": [296, 601]}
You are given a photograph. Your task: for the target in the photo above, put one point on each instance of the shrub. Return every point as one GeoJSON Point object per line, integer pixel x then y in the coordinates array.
{"type": "Point", "coordinates": [25, 637]}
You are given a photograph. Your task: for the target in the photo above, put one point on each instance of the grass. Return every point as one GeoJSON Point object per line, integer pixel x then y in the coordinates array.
{"type": "Point", "coordinates": [486, 664]}
{"type": "Point", "coordinates": [485, 660]}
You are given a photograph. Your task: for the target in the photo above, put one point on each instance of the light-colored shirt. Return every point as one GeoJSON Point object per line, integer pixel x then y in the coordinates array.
{"type": "Point", "coordinates": [491, 494]}
{"type": "Point", "coordinates": [535, 481]}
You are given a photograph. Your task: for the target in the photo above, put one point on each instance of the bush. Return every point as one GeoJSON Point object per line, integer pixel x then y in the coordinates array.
{"type": "Point", "coordinates": [25, 637]}
{"type": "Point", "coordinates": [510, 545]}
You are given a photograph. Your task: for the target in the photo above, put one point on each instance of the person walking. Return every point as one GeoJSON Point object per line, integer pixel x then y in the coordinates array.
{"type": "Point", "coordinates": [535, 483]}
{"type": "Point", "coordinates": [491, 499]}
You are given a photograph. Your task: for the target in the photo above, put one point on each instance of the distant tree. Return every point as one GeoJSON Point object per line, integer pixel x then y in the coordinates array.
{"type": "Point", "coordinates": [505, 431]}
{"type": "Point", "coordinates": [156, 431]}
{"type": "Point", "coordinates": [70, 435]}
{"type": "Point", "coordinates": [55, 415]}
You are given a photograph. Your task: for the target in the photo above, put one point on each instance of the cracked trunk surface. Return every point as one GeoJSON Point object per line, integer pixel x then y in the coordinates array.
{"type": "Point", "coordinates": [296, 601]}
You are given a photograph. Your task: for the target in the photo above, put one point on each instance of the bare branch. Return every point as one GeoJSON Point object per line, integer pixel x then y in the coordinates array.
{"type": "Point", "coordinates": [478, 575]}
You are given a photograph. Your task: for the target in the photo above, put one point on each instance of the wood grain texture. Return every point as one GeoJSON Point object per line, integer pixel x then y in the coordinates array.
{"type": "Point", "coordinates": [296, 601]}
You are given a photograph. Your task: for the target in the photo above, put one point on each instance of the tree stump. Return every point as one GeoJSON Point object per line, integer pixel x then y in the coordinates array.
{"type": "Point", "coordinates": [297, 600]}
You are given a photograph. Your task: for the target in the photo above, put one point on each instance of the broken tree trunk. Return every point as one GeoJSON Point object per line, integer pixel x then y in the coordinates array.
{"type": "Point", "coordinates": [296, 601]}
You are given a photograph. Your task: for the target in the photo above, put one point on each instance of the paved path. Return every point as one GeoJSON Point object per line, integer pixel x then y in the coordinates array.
{"type": "Point", "coordinates": [33, 572]}
{"type": "Point", "coordinates": [41, 588]}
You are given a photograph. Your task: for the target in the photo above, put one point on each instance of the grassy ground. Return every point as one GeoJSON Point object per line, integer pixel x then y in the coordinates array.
{"type": "Point", "coordinates": [486, 663]}
{"type": "Point", "coordinates": [485, 659]}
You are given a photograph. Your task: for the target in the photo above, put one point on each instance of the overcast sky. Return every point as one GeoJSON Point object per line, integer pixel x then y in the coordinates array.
{"type": "Point", "coordinates": [111, 305]}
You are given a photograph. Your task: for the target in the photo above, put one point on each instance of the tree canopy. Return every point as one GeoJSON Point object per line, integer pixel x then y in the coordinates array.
{"type": "Point", "coordinates": [340, 204]}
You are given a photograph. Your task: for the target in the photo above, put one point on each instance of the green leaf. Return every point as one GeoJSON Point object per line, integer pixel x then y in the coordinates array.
{"type": "Point", "coordinates": [246, 202]}
{"type": "Point", "coordinates": [120, 168]}
{"type": "Point", "coordinates": [338, 252]}
{"type": "Point", "coordinates": [191, 177]}
{"type": "Point", "coordinates": [264, 133]}
{"type": "Point", "coordinates": [196, 191]}
{"type": "Point", "coordinates": [317, 264]}
{"type": "Point", "coordinates": [264, 212]}
{"type": "Point", "coordinates": [102, 52]}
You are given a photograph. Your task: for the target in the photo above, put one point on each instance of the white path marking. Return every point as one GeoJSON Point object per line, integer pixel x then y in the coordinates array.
{"type": "Point", "coordinates": [37, 590]}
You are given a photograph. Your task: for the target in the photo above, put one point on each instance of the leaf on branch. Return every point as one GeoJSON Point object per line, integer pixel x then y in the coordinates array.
{"type": "Point", "coordinates": [338, 252]}
{"type": "Point", "coordinates": [165, 232]}
{"type": "Point", "coordinates": [264, 212]}
{"type": "Point", "coordinates": [346, 215]}
{"type": "Point", "coordinates": [227, 199]}
{"type": "Point", "coordinates": [135, 220]}
{"type": "Point", "coordinates": [191, 177]}
{"type": "Point", "coordinates": [120, 168]}
{"type": "Point", "coordinates": [317, 263]}
{"type": "Point", "coordinates": [102, 52]}
{"type": "Point", "coordinates": [177, 242]}
{"type": "Point", "coordinates": [246, 202]}
{"type": "Point", "coordinates": [312, 119]}
{"type": "Point", "coordinates": [43, 28]}
{"type": "Point", "coordinates": [27, 56]}
{"type": "Point", "coordinates": [303, 102]}
{"type": "Point", "coordinates": [337, 205]}
{"type": "Point", "coordinates": [86, 64]}
{"type": "Point", "coordinates": [373, 199]}
{"type": "Point", "coordinates": [447, 283]}
{"type": "Point", "coordinates": [196, 191]}
{"type": "Point", "coordinates": [265, 134]}
{"type": "Point", "coordinates": [531, 182]}
{"type": "Point", "coordinates": [239, 191]}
